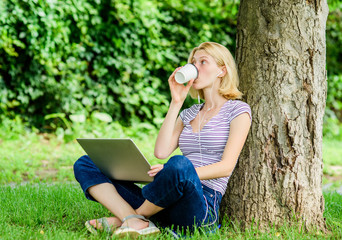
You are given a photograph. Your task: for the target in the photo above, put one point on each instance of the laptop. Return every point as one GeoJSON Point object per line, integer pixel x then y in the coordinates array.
{"type": "Point", "coordinates": [118, 159]}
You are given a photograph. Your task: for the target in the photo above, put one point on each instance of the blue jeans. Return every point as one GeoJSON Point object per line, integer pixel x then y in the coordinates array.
{"type": "Point", "coordinates": [176, 188]}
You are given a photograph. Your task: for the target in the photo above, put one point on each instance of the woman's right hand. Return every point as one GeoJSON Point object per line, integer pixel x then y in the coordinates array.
{"type": "Point", "coordinates": [155, 169]}
{"type": "Point", "coordinates": [178, 91]}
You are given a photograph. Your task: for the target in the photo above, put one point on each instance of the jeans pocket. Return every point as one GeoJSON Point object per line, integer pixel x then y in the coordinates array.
{"type": "Point", "coordinates": [207, 193]}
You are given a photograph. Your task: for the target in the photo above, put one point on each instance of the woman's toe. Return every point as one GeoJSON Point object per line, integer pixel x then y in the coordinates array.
{"type": "Point", "coordinates": [95, 224]}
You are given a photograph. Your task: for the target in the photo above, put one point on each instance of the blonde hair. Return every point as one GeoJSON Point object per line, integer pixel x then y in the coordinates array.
{"type": "Point", "coordinates": [229, 82]}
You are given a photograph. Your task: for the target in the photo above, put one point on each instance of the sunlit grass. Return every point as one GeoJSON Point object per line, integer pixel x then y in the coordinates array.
{"type": "Point", "coordinates": [46, 158]}
{"type": "Point", "coordinates": [58, 211]}
{"type": "Point", "coordinates": [40, 198]}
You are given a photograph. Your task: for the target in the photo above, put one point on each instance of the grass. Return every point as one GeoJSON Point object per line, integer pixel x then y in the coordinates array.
{"type": "Point", "coordinates": [46, 158]}
{"type": "Point", "coordinates": [332, 152]}
{"type": "Point", "coordinates": [58, 211]}
{"type": "Point", "coordinates": [40, 198]}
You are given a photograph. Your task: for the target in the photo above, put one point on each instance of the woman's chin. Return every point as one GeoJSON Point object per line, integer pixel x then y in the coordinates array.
{"type": "Point", "coordinates": [196, 86]}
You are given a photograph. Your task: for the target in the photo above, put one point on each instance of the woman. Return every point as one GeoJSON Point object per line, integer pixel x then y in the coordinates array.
{"type": "Point", "coordinates": [188, 189]}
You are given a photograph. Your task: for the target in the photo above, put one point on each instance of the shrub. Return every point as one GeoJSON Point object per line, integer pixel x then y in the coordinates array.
{"type": "Point", "coordinates": [100, 56]}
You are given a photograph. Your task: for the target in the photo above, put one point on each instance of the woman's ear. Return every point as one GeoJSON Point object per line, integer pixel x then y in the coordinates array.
{"type": "Point", "coordinates": [223, 72]}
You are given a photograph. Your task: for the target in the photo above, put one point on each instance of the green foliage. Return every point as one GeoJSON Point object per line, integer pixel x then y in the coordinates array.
{"type": "Point", "coordinates": [100, 55]}
{"type": "Point", "coordinates": [334, 98]}
{"type": "Point", "coordinates": [63, 59]}
{"type": "Point", "coordinates": [334, 37]}
{"type": "Point", "coordinates": [333, 113]}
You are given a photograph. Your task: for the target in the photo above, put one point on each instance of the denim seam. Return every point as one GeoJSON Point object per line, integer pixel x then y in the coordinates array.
{"type": "Point", "coordinates": [207, 209]}
{"type": "Point", "coordinates": [212, 223]}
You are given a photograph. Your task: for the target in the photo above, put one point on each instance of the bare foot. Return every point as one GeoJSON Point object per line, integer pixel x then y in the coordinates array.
{"type": "Point", "coordinates": [113, 222]}
{"type": "Point", "coordinates": [135, 223]}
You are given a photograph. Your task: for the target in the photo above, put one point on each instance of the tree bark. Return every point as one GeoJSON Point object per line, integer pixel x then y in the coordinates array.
{"type": "Point", "coordinates": [281, 58]}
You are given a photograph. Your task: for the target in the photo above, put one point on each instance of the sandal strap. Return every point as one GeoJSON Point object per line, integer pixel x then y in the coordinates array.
{"type": "Point", "coordinates": [105, 224]}
{"type": "Point", "coordinates": [134, 216]}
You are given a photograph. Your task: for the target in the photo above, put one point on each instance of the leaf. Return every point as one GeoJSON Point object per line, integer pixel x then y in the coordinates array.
{"type": "Point", "coordinates": [104, 117]}
{"type": "Point", "coordinates": [78, 118]}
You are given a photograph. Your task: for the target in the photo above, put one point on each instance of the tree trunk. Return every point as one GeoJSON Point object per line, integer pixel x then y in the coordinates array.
{"type": "Point", "coordinates": [281, 58]}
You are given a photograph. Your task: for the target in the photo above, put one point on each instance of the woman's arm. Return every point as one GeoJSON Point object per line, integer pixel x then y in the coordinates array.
{"type": "Point", "coordinates": [167, 140]}
{"type": "Point", "coordinates": [239, 129]}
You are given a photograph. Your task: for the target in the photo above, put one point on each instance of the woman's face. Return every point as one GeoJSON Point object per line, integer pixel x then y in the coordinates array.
{"type": "Point", "coordinates": [207, 69]}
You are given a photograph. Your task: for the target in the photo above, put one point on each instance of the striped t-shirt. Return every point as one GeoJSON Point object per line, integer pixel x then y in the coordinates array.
{"type": "Point", "coordinates": [212, 138]}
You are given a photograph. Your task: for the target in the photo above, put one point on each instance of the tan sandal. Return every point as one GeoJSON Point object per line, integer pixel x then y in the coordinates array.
{"type": "Point", "coordinates": [133, 233]}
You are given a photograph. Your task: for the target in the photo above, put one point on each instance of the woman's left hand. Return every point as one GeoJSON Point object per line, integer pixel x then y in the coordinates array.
{"type": "Point", "coordinates": [155, 169]}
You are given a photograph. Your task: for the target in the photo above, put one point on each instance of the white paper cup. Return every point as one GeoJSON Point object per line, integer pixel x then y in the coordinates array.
{"type": "Point", "coordinates": [186, 73]}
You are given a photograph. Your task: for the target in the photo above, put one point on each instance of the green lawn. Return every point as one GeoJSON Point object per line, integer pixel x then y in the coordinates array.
{"type": "Point", "coordinates": [45, 158]}
{"type": "Point", "coordinates": [40, 198]}
{"type": "Point", "coordinates": [58, 211]}
{"type": "Point", "coordinates": [37, 158]}
{"type": "Point", "coordinates": [332, 152]}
